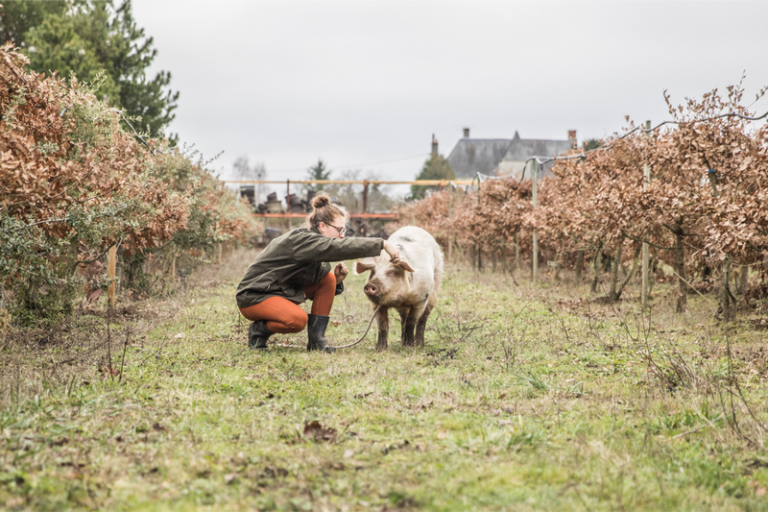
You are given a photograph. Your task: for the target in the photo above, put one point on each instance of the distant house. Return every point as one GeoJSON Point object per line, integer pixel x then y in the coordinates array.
{"type": "Point", "coordinates": [503, 156]}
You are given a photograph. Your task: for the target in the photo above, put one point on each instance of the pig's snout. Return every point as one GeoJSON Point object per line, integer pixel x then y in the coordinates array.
{"type": "Point", "coordinates": [370, 289]}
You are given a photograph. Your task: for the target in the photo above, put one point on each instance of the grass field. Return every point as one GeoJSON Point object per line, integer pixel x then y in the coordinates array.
{"type": "Point", "coordinates": [523, 399]}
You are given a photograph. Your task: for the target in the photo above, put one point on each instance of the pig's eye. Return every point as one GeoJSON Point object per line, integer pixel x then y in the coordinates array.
{"type": "Point", "coordinates": [391, 272]}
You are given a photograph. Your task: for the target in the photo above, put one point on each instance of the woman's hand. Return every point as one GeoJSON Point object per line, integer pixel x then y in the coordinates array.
{"type": "Point", "coordinates": [340, 272]}
{"type": "Point", "coordinates": [392, 250]}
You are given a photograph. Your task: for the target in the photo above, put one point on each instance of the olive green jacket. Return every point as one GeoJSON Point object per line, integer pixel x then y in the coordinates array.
{"type": "Point", "coordinates": [298, 259]}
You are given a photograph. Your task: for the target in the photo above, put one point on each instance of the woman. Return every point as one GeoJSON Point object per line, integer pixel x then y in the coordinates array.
{"type": "Point", "coordinates": [293, 268]}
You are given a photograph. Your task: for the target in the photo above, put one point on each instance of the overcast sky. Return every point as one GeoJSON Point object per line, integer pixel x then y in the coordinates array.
{"type": "Point", "coordinates": [360, 84]}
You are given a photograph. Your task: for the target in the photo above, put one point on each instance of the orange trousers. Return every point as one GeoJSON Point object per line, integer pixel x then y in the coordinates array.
{"type": "Point", "coordinates": [284, 316]}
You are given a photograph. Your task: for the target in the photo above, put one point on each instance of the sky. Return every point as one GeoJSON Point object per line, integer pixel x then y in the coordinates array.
{"type": "Point", "coordinates": [364, 85]}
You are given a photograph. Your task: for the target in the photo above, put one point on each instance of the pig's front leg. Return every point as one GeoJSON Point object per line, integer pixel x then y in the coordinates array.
{"type": "Point", "coordinates": [410, 323]}
{"type": "Point", "coordinates": [403, 311]}
{"type": "Point", "coordinates": [382, 320]}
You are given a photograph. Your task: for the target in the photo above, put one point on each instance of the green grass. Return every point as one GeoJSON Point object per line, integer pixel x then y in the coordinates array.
{"type": "Point", "coordinates": [523, 399]}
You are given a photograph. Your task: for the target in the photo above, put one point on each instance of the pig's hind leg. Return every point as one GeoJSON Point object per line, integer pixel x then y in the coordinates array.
{"type": "Point", "coordinates": [421, 325]}
{"type": "Point", "coordinates": [409, 339]}
{"type": "Point", "coordinates": [403, 311]}
{"type": "Point", "coordinates": [382, 320]}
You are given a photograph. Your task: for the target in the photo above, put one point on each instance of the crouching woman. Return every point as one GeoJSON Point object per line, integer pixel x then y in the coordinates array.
{"type": "Point", "coordinates": [294, 267]}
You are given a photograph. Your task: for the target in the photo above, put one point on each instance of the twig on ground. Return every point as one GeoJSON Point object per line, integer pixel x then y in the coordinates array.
{"type": "Point", "coordinates": [709, 424]}
{"type": "Point", "coordinates": [122, 360]}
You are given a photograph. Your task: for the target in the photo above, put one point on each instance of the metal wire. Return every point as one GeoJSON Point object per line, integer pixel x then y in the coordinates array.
{"type": "Point", "coordinates": [370, 322]}
{"type": "Point", "coordinates": [546, 159]}
{"type": "Point", "coordinates": [120, 113]}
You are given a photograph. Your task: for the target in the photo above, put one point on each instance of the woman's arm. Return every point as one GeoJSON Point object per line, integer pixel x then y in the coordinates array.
{"type": "Point", "coordinates": [309, 246]}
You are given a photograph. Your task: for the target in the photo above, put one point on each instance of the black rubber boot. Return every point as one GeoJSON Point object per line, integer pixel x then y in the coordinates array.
{"type": "Point", "coordinates": [258, 334]}
{"type": "Point", "coordinates": [316, 326]}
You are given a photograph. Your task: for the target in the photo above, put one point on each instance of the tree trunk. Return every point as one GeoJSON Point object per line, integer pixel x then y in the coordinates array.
{"type": "Point", "coordinates": [607, 263]}
{"type": "Point", "coordinates": [459, 250]}
{"type": "Point", "coordinates": [32, 295]}
{"type": "Point", "coordinates": [504, 259]}
{"type": "Point", "coordinates": [725, 293]}
{"type": "Point", "coordinates": [479, 259]}
{"type": "Point", "coordinates": [493, 260]}
{"type": "Point", "coordinates": [743, 280]}
{"type": "Point", "coordinates": [682, 286]}
{"type": "Point", "coordinates": [517, 251]}
{"type": "Point", "coordinates": [615, 264]}
{"type": "Point", "coordinates": [630, 274]}
{"type": "Point", "coordinates": [134, 272]}
{"type": "Point", "coordinates": [579, 265]}
{"type": "Point", "coordinates": [598, 264]}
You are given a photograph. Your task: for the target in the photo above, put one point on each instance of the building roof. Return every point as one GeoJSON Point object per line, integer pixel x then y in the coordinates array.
{"type": "Point", "coordinates": [471, 156]}
{"type": "Point", "coordinates": [520, 150]}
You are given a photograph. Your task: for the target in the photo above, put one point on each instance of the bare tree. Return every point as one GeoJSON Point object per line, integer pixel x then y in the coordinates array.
{"type": "Point", "coordinates": [380, 197]}
{"type": "Point", "coordinates": [244, 170]}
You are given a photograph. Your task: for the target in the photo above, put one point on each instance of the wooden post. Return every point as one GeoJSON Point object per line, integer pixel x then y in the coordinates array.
{"type": "Point", "coordinates": [288, 202]}
{"type": "Point", "coordinates": [535, 256]}
{"type": "Point", "coordinates": [725, 293]}
{"type": "Point", "coordinates": [218, 255]}
{"type": "Point", "coordinates": [645, 289]}
{"type": "Point", "coordinates": [111, 267]}
{"type": "Point", "coordinates": [451, 239]}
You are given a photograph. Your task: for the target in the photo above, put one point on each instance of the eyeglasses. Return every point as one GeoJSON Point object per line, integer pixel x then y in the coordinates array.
{"type": "Point", "coordinates": [339, 230]}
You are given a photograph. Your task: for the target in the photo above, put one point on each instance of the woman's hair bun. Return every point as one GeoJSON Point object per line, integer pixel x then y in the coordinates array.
{"type": "Point", "coordinates": [320, 200]}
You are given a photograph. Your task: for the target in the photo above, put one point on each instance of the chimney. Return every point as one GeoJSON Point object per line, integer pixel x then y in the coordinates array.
{"type": "Point", "coordinates": [466, 133]}
{"type": "Point", "coordinates": [434, 145]}
{"type": "Point", "coordinates": [572, 138]}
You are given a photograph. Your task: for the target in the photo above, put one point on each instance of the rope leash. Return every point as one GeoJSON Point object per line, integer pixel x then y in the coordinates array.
{"type": "Point", "coordinates": [370, 322]}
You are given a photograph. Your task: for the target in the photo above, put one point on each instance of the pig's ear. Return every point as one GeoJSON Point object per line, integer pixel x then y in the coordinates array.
{"type": "Point", "coordinates": [364, 265]}
{"type": "Point", "coordinates": [403, 264]}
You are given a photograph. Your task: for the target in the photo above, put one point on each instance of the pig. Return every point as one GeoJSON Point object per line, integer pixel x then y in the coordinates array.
{"type": "Point", "coordinates": [409, 286]}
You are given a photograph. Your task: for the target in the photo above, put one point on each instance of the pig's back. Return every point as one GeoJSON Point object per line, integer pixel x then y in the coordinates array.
{"type": "Point", "coordinates": [423, 254]}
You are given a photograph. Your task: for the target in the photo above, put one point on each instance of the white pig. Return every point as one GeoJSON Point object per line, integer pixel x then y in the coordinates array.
{"type": "Point", "coordinates": [410, 286]}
